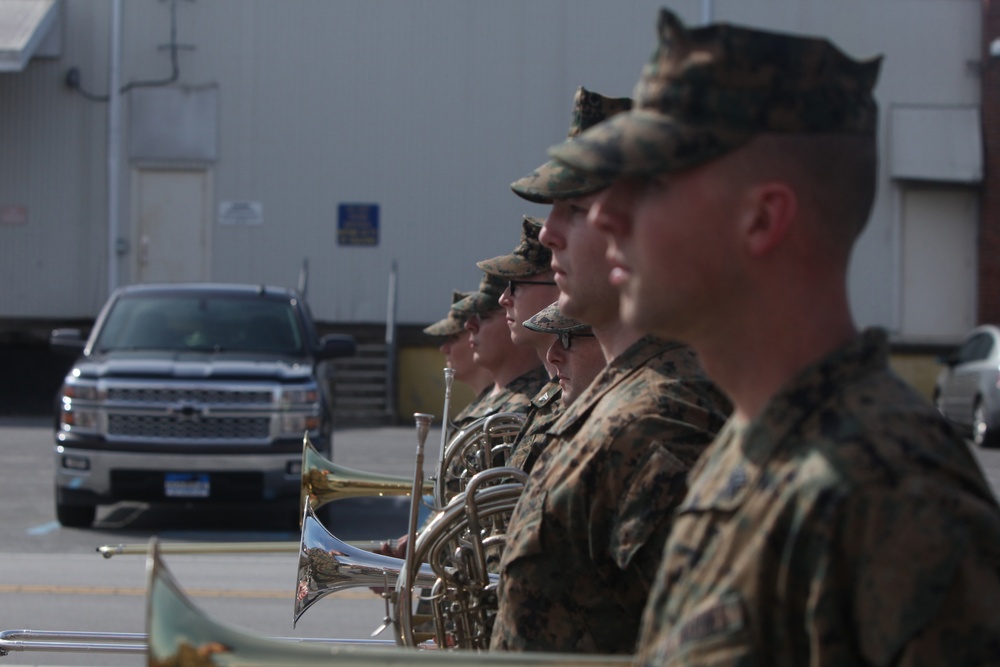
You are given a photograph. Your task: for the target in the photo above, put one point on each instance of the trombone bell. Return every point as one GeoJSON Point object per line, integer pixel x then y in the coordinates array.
{"type": "Point", "coordinates": [181, 634]}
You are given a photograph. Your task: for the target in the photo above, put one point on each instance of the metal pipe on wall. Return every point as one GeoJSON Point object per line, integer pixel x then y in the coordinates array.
{"type": "Point", "coordinates": [114, 142]}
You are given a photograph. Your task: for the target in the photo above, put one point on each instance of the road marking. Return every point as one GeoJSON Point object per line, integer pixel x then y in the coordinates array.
{"type": "Point", "coordinates": [52, 589]}
{"type": "Point", "coordinates": [44, 528]}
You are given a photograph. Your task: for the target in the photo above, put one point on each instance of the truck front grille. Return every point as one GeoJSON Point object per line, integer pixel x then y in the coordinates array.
{"type": "Point", "coordinates": [178, 428]}
{"type": "Point", "coordinates": [205, 396]}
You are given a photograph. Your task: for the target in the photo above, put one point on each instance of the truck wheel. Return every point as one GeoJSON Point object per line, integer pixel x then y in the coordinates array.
{"type": "Point", "coordinates": [76, 516]}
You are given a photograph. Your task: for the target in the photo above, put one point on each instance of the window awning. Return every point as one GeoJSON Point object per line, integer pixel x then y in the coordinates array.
{"type": "Point", "coordinates": [24, 27]}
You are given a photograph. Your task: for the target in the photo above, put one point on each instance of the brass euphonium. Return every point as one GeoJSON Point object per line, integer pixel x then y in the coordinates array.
{"type": "Point", "coordinates": [462, 545]}
{"type": "Point", "coordinates": [483, 444]}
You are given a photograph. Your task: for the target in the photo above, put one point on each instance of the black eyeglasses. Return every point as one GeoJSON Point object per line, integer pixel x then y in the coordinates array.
{"type": "Point", "coordinates": [566, 337]}
{"type": "Point", "coordinates": [512, 284]}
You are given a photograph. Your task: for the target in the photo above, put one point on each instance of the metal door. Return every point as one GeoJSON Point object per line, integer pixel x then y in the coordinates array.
{"type": "Point", "coordinates": [939, 235]}
{"type": "Point", "coordinates": [172, 225]}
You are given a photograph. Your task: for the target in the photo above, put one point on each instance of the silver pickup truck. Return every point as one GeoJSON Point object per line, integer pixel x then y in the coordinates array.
{"type": "Point", "coordinates": [194, 393]}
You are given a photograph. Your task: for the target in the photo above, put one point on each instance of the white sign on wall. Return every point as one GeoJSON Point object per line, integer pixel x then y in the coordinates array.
{"type": "Point", "coordinates": [241, 213]}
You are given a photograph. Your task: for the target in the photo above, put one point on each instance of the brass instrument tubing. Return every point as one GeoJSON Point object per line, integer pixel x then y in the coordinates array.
{"type": "Point", "coordinates": [109, 550]}
{"type": "Point", "coordinates": [439, 492]}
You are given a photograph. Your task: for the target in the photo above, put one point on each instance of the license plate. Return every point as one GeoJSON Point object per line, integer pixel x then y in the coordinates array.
{"type": "Point", "coordinates": [186, 485]}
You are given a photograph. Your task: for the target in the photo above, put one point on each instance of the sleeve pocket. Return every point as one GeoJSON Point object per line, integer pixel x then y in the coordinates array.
{"type": "Point", "coordinates": [526, 537]}
{"type": "Point", "coordinates": [646, 508]}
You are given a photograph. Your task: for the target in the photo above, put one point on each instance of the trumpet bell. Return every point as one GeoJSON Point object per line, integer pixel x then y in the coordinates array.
{"type": "Point", "coordinates": [324, 481]}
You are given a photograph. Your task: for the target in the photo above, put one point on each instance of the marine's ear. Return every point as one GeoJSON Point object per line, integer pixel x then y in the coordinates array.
{"type": "Point", "coordinates": [768, 213]}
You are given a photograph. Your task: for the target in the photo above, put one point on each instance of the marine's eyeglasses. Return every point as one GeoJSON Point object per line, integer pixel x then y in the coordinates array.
{"type": "Point", "coordinates": [512, 284]}
{"type": "Point", "coordinates": [566, 337]}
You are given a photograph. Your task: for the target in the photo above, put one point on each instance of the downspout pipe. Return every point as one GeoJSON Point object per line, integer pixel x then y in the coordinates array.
{"type": "Point", "coordinates": [114, 143]}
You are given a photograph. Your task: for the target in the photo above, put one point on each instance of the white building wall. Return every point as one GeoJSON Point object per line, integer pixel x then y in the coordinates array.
{"type": "Point", "coordinates": [428, 108]}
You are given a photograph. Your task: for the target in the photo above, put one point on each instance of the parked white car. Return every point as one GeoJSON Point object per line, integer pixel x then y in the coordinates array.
{"type": "Point", "coordinates": [967, 391]}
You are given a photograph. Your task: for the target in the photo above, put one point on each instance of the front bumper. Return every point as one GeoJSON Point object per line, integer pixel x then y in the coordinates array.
{"type": "Point", "coordinates": [94, 476]}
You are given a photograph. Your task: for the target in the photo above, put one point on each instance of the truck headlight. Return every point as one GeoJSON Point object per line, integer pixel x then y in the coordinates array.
{"type": "Point", "coordinates": [297, 398]}
{"type": "Point", "coordinates": [80, 391]}
{"type": "Point", "coordinates": [295, 424]}
{"type": "Point", "coordinates": [79, 412]}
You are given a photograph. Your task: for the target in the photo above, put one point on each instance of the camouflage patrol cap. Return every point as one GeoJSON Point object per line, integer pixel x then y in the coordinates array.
{"type": "Point", "coordinates": [529, 258]}
{"type": "Point", "coordinates": [551, 320]}
{"type": "Point", "coordinates": [486, 299]}
{"type": "Point", "coordinates": [454, 322]}
{"type": "Point", "coordinates": [709, 90]}
{"type": "Point", "coordinates": [555, 180]}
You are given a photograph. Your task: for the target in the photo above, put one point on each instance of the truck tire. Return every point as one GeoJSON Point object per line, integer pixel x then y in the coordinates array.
{"type": "Point", "coordinates": [76, 516]}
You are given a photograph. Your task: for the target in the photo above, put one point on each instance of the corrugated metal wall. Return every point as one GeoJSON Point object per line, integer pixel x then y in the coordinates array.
{"type": "Point", "coordinates": [52, 162]}
{"type": "Point", "coordinates": [428, 108]}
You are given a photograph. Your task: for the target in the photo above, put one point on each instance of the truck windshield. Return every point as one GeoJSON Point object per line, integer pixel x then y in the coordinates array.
{"type": "Point", "coordinates": [187, 323]}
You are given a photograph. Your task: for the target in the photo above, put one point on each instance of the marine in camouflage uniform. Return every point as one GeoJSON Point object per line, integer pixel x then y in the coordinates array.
{"type": "Point", "coordinates": [847, 525]}
{"type": "Point", "coordinates": [550, 181]}
{"type": "Point", "coordinates": [583, 367]}
{"type": "Point", "coordinates": [449, 327]}
{"type": "Point", "coordinates": [529, 261]}
{"type": "Point", "coordinates": [585, 538]}
{"type": "Point", "coordinates": [842, 522]}
{"type": "Point", "coordinates": [516, 395]}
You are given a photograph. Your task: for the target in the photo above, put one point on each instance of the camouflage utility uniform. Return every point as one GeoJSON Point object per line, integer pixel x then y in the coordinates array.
{"type": "Point", "coordinates": [586, 537]}
{"type": "Point", "coordinates": [515, 397]}
{"type": "Point", "coordinates": [847, 525]}
{"type": "Point", "coordinates": [472, 411]}
{"type": "Point", "coordinates": [546, 408]}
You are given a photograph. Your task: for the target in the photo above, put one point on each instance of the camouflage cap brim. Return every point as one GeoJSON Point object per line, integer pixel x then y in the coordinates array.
{"type": "Point", "coordinates": [554, 180]}
{"type": "Point", "coordinates": [642, 142]}
{"type": "Point", "coordinates": [479, 303]}
{"type": "Point", "coordinates": [454, 322]}
{"type": "Point", "coordinates": [449, 326]}
{"type": "Point", "coordinates": [486, 299]}
{"type": "Point", "coordinates": [510, 266]}
{"type": "Point", "coordinates": [551, 320]}
{"type": "Point", "coordinates": [529, 258]}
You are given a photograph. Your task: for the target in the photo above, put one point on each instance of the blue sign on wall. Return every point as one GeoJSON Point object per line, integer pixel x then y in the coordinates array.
{"type": "Point", "coordinates": [357, 224]}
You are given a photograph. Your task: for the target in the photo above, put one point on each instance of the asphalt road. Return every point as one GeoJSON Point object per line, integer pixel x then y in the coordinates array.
{"type": "Point", "coordinates": [52, 578]}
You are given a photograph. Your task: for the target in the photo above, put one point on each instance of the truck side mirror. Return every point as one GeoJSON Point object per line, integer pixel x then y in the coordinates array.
{"type": "Point", "coordinates": [67, 340]}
